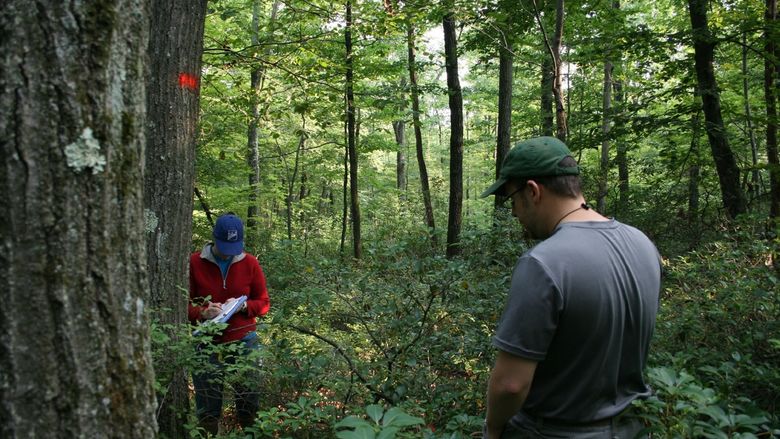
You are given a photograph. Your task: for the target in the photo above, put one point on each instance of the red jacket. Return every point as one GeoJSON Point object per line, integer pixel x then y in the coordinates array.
{"type": "Point", "coordinates": [244, 277]}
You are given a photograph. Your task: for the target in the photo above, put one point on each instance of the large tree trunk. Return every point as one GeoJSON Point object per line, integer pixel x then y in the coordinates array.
{"type": "Point", "coordinates": [353, 160]}
{"type": "Point", "coordinates": [770, 93]}
{"type": "Point", "coordinates": [175, 47]}
{"type": "Point", "coordinates": [456, 137]}
{"type": "Point", "coordinates": [415, 94]}
{"type": "Point", "coordinates": [504, 134]}
{"type": "Point", "coordinates": [74, 352]}
{"type": "Point", "coordinates": [725, 163]}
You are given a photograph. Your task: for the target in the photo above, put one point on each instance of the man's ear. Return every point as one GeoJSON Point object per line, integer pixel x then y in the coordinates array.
{"type": "Point", "coordinates": [536, 191]}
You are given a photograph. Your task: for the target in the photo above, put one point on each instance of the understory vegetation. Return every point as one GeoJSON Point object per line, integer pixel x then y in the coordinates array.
{"type": "Point", "coordinates": [373, 332]}
{"type": "Point", "coordinates": [398, 343]}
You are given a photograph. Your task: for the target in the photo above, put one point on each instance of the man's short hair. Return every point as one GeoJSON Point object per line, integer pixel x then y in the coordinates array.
{"type": "Point", "coordinates": [562, 185]}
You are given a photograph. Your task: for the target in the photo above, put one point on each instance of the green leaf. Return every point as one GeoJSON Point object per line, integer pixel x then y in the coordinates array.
{"type": "Point", "coordinates": [362, 432]}
{"type": "Point", "coordinates": [374, 412]}
{"type": "Point", "coordinates": [717, 414]}
{"type": "Point", "coordinates": [352, 422]}
{"type": "Point", "coordinates": [387, 433]}
{"type": "Point", "coordinates": [398, 418]}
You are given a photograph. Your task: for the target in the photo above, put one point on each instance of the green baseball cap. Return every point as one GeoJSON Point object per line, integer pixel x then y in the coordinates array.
{"type": "Point", "coordinates": [537, 157]}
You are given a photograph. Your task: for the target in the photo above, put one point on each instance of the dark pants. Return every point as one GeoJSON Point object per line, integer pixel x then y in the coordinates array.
{"type": "Point", "coordinates": [526, 427]}
{"type": "Point", "coordinates": [209, 383]}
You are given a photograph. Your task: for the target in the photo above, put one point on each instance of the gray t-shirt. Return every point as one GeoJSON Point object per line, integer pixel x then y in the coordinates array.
{"type": "Point", "coordinates": [582, 304]}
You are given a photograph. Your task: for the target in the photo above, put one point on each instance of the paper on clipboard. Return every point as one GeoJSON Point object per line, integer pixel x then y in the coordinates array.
{"type": "Point", "coordinates": [228, 309]}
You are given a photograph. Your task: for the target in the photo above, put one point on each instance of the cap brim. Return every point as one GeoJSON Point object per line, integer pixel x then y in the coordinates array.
{"type": "Point", "coordinates": [229, 248]}
{"type": "Point", "coordinates": [495, 187]}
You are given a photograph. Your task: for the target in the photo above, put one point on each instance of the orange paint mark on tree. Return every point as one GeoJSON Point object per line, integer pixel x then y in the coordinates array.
{"type": "Point", "coordinates": [187, 80]}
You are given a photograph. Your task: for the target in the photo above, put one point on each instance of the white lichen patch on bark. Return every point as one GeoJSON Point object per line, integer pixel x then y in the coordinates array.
{"type": "Point", "coordinates": [85, 153]}
{"type": "Point", "coordinates": [150, 221]}
{"type": "Point", "coordinates": [139, 311]}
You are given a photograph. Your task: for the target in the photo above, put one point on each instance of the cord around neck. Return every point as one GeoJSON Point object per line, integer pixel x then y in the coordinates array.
{"type": "Point", "coordinates": [583, 206]}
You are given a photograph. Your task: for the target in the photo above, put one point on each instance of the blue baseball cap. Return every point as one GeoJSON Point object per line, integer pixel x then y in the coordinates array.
{"type": "Point", "coordinates": [229, 235]}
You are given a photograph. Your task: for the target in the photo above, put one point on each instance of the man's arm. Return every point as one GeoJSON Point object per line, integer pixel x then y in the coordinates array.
{"type": "Point", "coordinates": [257, 303]}
{"type": "Point", "coordinates": [508, 387]}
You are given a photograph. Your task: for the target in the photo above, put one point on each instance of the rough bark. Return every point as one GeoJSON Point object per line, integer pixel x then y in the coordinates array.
{"type": "Point", "coordinates": [353, 159]}
{"type": "Point", "coordinates": [725, 163]}
{"type": "Point", "coordinates": [504, 130]}
{"type": "Point", "coordinates": [415, 95]}
{"type": "Point", "coordinates": [75, 355]}
{"type": "Point", "coordinates": [175, 47]}
{"type": "Point", "coordinates": [770, 96]}
{"type": "Point", "coordinates": [456, 137]}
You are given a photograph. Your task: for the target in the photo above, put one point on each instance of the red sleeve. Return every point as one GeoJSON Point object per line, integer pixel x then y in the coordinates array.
{"type": "Point", "coordinates": [258, 302]}
{"type": "Point", "coordinates": [193, 311]}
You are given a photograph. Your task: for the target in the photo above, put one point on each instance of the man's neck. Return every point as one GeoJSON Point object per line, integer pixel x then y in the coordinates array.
{"type": "Point", "coordinates": [217, 254]}
{"type": "Point", "coordinates": [574, 210]}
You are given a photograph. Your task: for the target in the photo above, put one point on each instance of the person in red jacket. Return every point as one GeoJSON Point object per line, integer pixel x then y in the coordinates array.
{"type": "Point", "coordinates": [220, 272]}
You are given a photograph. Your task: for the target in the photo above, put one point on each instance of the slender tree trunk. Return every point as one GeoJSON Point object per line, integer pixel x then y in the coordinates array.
{"type": "Point", "coordinates": [204, 205]}
{"type": "Point", "coordinates": [456, 137]}
{"type": "Point", "coordinates": [548, 72]}
{"type": "Point", "coordinates": [353, 160]}
{"type": "Point", "coordinates": [694, 173]}
{"type": "Point", "coordinates": [291, 180]}
{"type": "Point", "coordinates": [345, 184]}
{"type": "Point", "coordinates": [562, 127]}
{"type": "Point", "coordinates": [770, 96]}
{"type": "Point", "coordinates": [503, 137]}
{"type": "Point", "coordinates": [175, 47]}
{"type": "Point", "coordinates": [75, 348]}
{"type": "Point", "coordinates": [725, 163]}
{"type": "Point", "coordinates": [621, 154]}
{"type": "Point", "coordinates": [256, 81]}
{"type": "Point", "coordinates": [399, 128]}
{"type": "Point", "coordinates": [426, 191]}
{"type": "Point", "coordinates": [254, 120]}
{"type": "Point", "coordinates": [755, 184]}
{"type": "Point", "coordinates": [601, 204]}
{"type": "Point", "coordinates": [621, 149]}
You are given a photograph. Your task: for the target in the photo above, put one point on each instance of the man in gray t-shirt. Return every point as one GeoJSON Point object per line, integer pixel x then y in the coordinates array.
{"type": "Point", "coordinates": [574, 336]}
